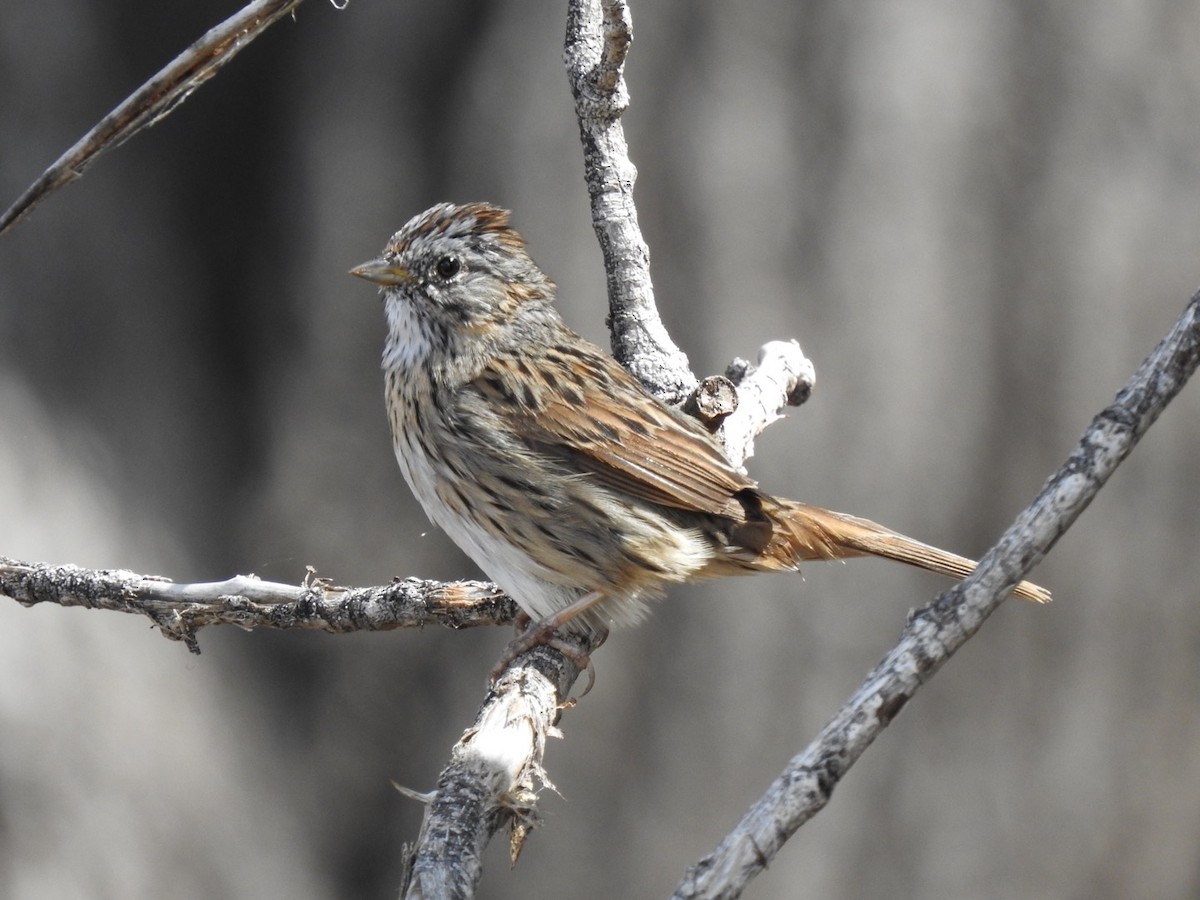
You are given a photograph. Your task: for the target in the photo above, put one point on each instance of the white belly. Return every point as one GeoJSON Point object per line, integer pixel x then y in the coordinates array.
{"type": "Point", "coordinates": [516, 573]}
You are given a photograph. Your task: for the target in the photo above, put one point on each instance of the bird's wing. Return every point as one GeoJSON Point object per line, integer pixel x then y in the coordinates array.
{"type": "Point", "coordinates": [592, 415]}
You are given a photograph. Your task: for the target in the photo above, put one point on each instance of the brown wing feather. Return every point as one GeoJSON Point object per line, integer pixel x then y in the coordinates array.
{"type": "Point", "coordinates": [650, 453]}
{"type": "Point", "coordinates": [647, 452]}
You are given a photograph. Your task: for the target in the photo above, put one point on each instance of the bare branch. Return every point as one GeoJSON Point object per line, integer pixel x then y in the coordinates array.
{"type": "Point", "coordinates": [155, 99]}
{"type": "Point", "coordinates": [180, 610]}
{"type": "Point", "coordinates": [493, 778]}
{"type": "Point", "coordinates": [598, 36]}
{"type": "Point", "coordinates": [783, 376]}
{"type": "Point", "coordinates": [936, 632]}
{"type": "Point", "coordinates": [599, 33]}
{"type": "Point", "coordinates": [495, 771]}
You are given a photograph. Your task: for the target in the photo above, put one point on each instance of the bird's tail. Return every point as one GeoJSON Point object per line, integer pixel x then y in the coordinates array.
{"type": "Point", "coordinates": [806, 532]}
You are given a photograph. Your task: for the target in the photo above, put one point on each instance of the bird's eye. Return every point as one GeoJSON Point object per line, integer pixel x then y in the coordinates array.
{"type": "Point", "coordinates": [447, 267]}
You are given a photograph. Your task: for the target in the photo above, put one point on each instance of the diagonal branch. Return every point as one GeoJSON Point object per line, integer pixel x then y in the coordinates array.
{"type": "Point", "coordinates": [155, 99]}
{"type": "Point", "coordinates": [936, 632]}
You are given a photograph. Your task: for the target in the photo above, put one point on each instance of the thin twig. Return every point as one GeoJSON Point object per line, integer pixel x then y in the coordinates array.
{"type": "Point", "coordinates": [936, 632]}
{"type": "Point", "coordinates": [155, 99]}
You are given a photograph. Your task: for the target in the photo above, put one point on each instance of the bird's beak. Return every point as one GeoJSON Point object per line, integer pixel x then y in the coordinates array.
{"type": "Point", "coordinates": [382, 272]}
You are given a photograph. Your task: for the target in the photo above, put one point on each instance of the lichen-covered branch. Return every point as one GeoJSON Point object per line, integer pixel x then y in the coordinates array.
{"type": "Point", "coordinates": [180, 610]}
{"type": "Point", "coordinates": [599, 33]}
{"type": "Point", "coordinates": [493, 777]}
{"type": "Point", "coordinates": [936, 632]}
{"type": "Point", "coordinates": [782, 376]}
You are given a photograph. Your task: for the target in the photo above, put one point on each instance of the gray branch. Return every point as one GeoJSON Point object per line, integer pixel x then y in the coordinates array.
{"type": "Point", "coordinates": [493, 778]}
{"type": "Point", "coordinates": [782, 376]}
{"type": "Point", "coordinates": [599, 33]}
{"type": "Point", "coordinates": [937, 631]}
{"type": "Point", "coordinates": [155, 99]}
{"type": "Point", "coordinates": [180, 610]}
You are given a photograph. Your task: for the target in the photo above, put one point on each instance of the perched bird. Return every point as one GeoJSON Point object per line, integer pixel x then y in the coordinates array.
{"type": "Point", "coordinates": [578, 492]}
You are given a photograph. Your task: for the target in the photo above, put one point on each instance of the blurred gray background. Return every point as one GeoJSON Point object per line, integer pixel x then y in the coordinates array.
{"type": "Point", "coordinates": [977, 218]}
